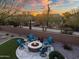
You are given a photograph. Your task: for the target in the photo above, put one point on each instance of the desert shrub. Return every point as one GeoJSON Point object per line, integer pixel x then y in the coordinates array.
{"type": "Point", "coordinates": [6, 34]}
{"type": "Point", "coordinates": [67, 47]}
{"type": "Point", "coordinates": [55, 55]}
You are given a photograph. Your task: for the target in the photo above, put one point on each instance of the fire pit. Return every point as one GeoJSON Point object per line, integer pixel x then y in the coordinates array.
{"type": "Point", "coordinates": [34, 46]}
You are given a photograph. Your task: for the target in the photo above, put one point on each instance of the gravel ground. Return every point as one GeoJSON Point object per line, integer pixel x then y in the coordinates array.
{"type": "Point", "coordinates": [74, 54]}
{"type": "Point", "coordinates": [4, 37]}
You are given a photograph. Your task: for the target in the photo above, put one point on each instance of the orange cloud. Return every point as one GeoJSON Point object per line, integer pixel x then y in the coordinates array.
{"type": "Point", "coordinates": [56, 12]}
{"type": "Point", "coordinates": [35, 14]}
{"type": "Point", "coordinates": [41, 12]}
{"type": "Point", "coordinates": [44, 3]}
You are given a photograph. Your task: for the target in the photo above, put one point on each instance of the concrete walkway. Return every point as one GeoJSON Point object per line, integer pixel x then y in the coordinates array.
{"type": "Point", "coordinates": [49, 30]}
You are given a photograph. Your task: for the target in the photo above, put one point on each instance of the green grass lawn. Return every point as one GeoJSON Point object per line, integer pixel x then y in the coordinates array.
{"type": "Point", "coordinates": [8, 49]}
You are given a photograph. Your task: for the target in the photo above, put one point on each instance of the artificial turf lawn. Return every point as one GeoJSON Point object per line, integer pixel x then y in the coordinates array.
{"type": "Point", "coordinates": [8, 49]}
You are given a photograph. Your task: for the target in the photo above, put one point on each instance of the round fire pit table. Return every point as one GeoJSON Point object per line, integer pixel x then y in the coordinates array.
{"type": "Point", "coordinates": [34, 46]}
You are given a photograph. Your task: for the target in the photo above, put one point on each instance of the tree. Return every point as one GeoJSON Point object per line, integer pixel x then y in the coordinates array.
{"type": "Point", "coordinates": [41, 19]}
{"type": "Point", "coordinates": [72, 19]}
{"type": "Point", "coordinates": [30, 18]}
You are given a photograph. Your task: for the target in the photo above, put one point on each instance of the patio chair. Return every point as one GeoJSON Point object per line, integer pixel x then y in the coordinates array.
{"type": "Point", "coordinates": [20, 43]}
{"type": "Point", "coordinates": [43, 51]}
{"type": "Point", "coordinates": [31, 37]}
{"type": "Point", "coordinates": [48, 41]}
{"type": "Point", "coordinates": [45, 42]}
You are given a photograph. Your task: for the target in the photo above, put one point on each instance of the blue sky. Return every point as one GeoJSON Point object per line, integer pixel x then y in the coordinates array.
{"type": "Point", "coordinates": [67, 5]}
{"type": "Point", "coordinates": [60, 5]}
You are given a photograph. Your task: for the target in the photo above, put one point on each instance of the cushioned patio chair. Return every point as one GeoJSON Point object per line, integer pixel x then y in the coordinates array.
{"type": "Point", "coordinates": [43, 51]}
{"type": "Point", "coordinates": [48, 41]}
{"type": "Point", "coordinates": [20, 43]}
{"type": "Point", "coordinates": [31, 37]}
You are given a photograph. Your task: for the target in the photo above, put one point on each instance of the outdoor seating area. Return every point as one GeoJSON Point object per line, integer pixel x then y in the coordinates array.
{"type": "Point", "coordinates": [34, 48]}
{"type": "Point", "coordinates": [25, 48]}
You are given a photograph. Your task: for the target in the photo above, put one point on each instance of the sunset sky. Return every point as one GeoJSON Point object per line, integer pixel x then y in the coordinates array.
{"type": "Point", "coordinates": [57, 6]}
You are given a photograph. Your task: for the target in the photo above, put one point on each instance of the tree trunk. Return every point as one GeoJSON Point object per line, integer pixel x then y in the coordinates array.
{"type": "Point", "coordinates": [30, 27]}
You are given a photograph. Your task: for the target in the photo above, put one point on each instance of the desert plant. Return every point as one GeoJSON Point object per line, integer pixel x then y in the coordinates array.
{"type": "Point", "coordinates": [6, 34]}
{"type": "Point", "coordinates": [67, 47]}
{"type": "Point", "coordinates": [12, 35]}
{"type": "Point", "coordinates": [67, 31]}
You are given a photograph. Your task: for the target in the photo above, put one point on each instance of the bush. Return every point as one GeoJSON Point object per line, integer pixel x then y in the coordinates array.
{"type": "Point", "coordinates": [6, 34]}
{"type": "Point", "coordinates": [12, 35]}
{"type": "Point", "coordinates": [67, 31]}
{"type": "Point", "coordinates": [55, 55]}
{"type": "Point", "coordinates": [67, 47]}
